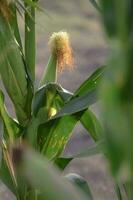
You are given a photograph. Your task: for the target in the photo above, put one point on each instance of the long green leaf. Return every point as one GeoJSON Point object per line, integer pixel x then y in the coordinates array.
{"type": "Point", "coordinates": [15, 28]}
{"type": "Point", "coordinates": [9, 50]}
{"type": "Point", "coordinates": [84, 96]}
{"type": "Point", "coordinates": [12, 127]}
{"type": "Point", "coordinates": [12, 69]}
{"type": "Point", "coordinates": [55, 132]}
{"type": "Point", "coordinates": [77, 104]}
{"type": "Point", "coordinates": [5, 176]}
{"type": "Point", "coordinates": [88, 120]}
{"type": "Point", "coordinates": [86, 92]}
{"type": "Point", "coordinates": [47, 101]}
{"type": "Point", "coordinates": [91, 123]}
{"type": "Point", "coordinates": [15, 183]}
{"type": "Point", "coordinates": [30, 40]}
{"type": "Point", "coordinates": [92, 150]}
{"type": "Point", "coordinates": [91, 83]}
{"type": "Point", "coordinates": [14, 25]}
{"type": "Point", "coordinates": [43, 177]}
{"type": "Point", "coordinates": [58, 136]}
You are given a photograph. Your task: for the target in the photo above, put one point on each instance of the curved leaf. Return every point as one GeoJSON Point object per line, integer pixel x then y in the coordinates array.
{"type": "Point", "coordinates": [92, 150]}
{"type": "Point", "coordinates": [91, 83]}
{"type": "Point", "coordinates": [91, 123]}
{"type": "Point", "coordinates": [81, 183]}
{"type": "Point", "coordinates": [6, 178]}
{"type": "Point", "coordinates": [77, 104]}
{"type": "Point", "coordinates": [12, 69]}
{"type": "Point", "coordinates": [48, 100]}
{"type": "Point", "coordinates": [84, 96]}
{"type": "Point", "coordinates": [46, 96]}
{"type": "Point", "coordinates": [12, 127]}
{"type": "Point", "coordinates": [43, 177]}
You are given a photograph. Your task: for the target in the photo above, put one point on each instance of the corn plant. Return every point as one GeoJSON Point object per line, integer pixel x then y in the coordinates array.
{"type": "Point", "coordinates": [117, 93]}
{"type": "Point", "coordinates": [45, 117]}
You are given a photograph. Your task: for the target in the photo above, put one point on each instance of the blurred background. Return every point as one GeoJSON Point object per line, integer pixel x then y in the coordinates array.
{"type": "Point", "coordinates": [90, 50]}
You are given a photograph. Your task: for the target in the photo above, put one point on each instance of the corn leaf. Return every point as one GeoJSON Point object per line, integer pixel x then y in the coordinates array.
{"type": "Point", "coordinates": [58, 136]}
{"type": "Point", "coordinates": [60, 129]}
{"type": "Point", "coordinates": [88, 119]}
{"type": "Point", "coordinates": [50, 71]}
{"type": "Point", "coordinates": [30, 38]}
{"type": "Point", "coordinates": [93, 149]}
{"type": "Point", "coordinates": [14, 25]}
{"type": "Point", "coordinates": [15, 28]}
{"type": "Point", "coordinates": [91, 83]}
{"type": "Point", "coordinates": [5, 176]}
{"type": "Point", "coordinates": [62, 162]}
{"type": "Point", "coordinates": [81, 183]}
{"type": "Point", "coordinates": [12, 69]}
{"type": "Point", "coordinates": [13, 129]}
{"type": "Point", "coordinates": [91, 123]}
{"type": "Point", "coordinates": [84, 96]}
{"type": "Point", "coordinates": [43, 177]}
{"type": "Point", "coordinates": [77, 104]}
{"type": "Point", "coordinates": [47, 102]}
{"type": "Point", "coordinates": [17, 187]}
{"type": "Point", "coordinates": [10, 51]}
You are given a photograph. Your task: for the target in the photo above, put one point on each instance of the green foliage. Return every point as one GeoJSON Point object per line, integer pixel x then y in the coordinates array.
{"type": "Point", "coordinates": [14, 77]}
{"type": "Point", "coordinates": [43, 177]}
{"type": "Point", "coordinates": [116, 92]}
{"type": "Point", "coordinates": [93, 149]}
{"type": "Point", "coordinates": [46, 117]}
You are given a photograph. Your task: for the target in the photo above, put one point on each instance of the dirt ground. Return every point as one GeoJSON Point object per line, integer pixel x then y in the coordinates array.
{"type": "Point", "coordinates": [90, 49]}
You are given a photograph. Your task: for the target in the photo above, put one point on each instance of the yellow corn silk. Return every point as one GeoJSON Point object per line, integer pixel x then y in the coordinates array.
{"type": "Point", "coordinates": [61, 49]}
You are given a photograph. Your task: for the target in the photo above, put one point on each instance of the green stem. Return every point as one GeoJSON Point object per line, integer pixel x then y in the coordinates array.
{"type": "Point", "coordinates": [32, 195]}
{"type": "Point", "coordinates": [129, 189]}
{"type": "Point", "coordinates": [118, 192]}
{"type": "Point", "coordinates": [30, 40]}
